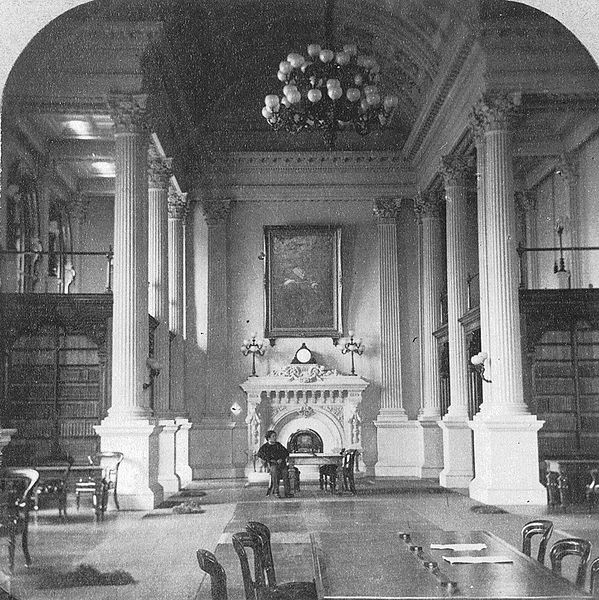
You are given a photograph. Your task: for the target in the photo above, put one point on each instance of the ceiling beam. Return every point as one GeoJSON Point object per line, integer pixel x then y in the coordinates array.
{"type": "Point", "coordinates": [81, 149]}
{"type": "Point", "coordinates": [98, 186]}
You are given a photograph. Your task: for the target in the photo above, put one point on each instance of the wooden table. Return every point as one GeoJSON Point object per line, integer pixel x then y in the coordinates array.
{"type": "Point", "coordinates": [365, 566]}
{"type": "Point", "coordinates": [566, 479]}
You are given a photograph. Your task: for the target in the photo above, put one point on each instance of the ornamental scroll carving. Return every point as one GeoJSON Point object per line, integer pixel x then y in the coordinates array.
{"type": "Point", "coordinates": [160, 170]}
{"type": "Point", "coordinates": [129, 112]}
{"type": "Point", "coordinates": [455, 169]}
{"type": "Point", "coordinates": [304, 375]}
{"type": "Point", "coordinates": [492, 112]}
{"type": "Point", "coordinates": [386, 208]}
{"type": "Point", "coordinates": [428, 205]}
{"type": "Point", "coordinates": [177, 204]}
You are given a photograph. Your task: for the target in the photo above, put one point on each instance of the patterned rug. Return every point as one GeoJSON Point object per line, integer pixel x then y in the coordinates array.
{"type": "Point", "coordinates": [82, 576]}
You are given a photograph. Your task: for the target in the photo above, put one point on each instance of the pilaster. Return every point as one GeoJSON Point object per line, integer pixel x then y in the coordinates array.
{"type": "Point", "coordinates": [392, 421]}
{"type": "Point", "coordinates": [457, 437]}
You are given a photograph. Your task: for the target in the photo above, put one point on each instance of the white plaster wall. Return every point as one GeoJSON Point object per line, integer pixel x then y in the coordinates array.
{"type": "Point", "coordinates": [588, 192]}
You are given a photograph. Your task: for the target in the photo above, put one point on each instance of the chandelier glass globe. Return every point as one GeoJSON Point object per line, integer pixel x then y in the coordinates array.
{"type": "Point", "coordinates": [329, 91]}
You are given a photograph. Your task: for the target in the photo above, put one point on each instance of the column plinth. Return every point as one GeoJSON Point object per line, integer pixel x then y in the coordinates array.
{"type": "Point", "coordinates": [505, 433]}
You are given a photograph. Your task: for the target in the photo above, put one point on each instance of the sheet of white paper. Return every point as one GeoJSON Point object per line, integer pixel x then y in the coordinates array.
{"type": "Point", "coordinates": [472, 560]}
{"type": "Point", "coordinates": [458, 547]}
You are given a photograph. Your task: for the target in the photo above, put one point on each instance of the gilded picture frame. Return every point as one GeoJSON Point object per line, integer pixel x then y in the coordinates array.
{"type": "Point", "coordinates": [302, 281]}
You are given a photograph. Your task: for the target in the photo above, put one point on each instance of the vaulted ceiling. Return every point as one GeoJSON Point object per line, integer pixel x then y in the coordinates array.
{"type": "Point", "coordinates": [208, 64]}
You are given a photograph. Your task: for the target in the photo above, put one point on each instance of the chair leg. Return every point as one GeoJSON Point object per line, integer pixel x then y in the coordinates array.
{"type": "Point", "coordinates": [77, 499]}
{"type": "Point", "coordinates": [116, 499]}
{"type": "Point", "coordinates": [25, 545]}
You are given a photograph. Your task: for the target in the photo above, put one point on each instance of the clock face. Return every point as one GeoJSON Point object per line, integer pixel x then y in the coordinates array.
{"type": "Point", "coordinates": [303, 355]}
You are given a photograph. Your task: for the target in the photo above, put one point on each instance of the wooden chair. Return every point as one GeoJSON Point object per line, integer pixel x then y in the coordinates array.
{"type": "Point", "coordinates": [218, 578]}
{"type": "Point", "coordinates": [542, 528]}
{"type": "Point", "coordinates": [328, 476]}
{"type": "Point", "coordinates": [99, 486]}
{"type": "Point", "coordinates": [348, 469]}
{"type": "Point", "coordinates": [256, 588]}
{"type": "Point", "coordinates": [16, 487]}
{"type": "Point", "coordinates": [571, 547]}
{"type": "Point", "coordinates": [295, 589]}
{"type": "Point", "coordinates": [54, 487]}
{"type": "Point", "coordinates": [595, 577]}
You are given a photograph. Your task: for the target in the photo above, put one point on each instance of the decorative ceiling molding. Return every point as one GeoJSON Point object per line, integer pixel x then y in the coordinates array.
{"type": "Point", "coordinates": [438, 96]}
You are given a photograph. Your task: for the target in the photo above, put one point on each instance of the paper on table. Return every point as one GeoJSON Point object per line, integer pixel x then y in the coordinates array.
{"type": "Point", "coordinates": [458, 547]}
{"type": "Point", "coordinates": [477, 559]}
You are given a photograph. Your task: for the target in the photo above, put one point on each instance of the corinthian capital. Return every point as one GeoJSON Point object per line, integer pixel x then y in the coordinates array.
{"type": "Point", "coordinates": [128, 112]}
{"type": "Point", "coordinates": [455, 169]}
{"type": "Point", "coordinates": [386, 208]}
{"type": "Point", "coordinates": [428, 205]}
{"type": "Point", "coordinates": [159, 170]}
{"type": "Point", "coordinates": [526, 200]}
{"type": "Point", "coordinates": [217, 212]}
{"type": "Point", "coordinates": [492, 112]}
{"type": "Point", "coordinates": [177, 204]}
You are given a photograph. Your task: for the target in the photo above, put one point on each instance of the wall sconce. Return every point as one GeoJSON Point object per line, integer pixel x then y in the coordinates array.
{"type": "Point", "coordinates": [253, 347]}
{"type": "Point", "coordinates": [235, 409]}
{"type": "Point", "coordinates": [353, 347]}
{"type": "Point", "coordinates": [154, 368]}
{"type": "Point", "coordinates": [478, 364]}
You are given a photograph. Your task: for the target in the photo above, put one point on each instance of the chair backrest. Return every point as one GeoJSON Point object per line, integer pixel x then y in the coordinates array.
{"type": "Point", "coordinates": [571, 547]}
{"type": "Point", "coordinates": [241, 541]}
{"type": "Point", "coordinates": [595, 577]}
{"type": "Point", "coordinates": [263, 533]}
{"type": "Point", "coordinates": [27, 478]}
{"type": "Point", "coordinates": [218, 578]}
{"type": "Point", "coordinates": [110, 462]}
{"type": "Point", "coordinates": [542, 528]}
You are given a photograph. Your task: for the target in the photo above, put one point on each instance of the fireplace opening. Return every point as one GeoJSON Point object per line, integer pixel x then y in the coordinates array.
{"type": "Point", "coordinates": [305, 441]}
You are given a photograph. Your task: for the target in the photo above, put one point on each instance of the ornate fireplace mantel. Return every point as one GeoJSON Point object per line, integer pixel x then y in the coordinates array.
{"type": "Point", "coordinates": [305, 396]}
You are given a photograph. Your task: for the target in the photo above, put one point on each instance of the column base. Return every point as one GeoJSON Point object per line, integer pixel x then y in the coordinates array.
{"type": "Point", "coordinates": [432, 447]}
{"type": "Point", "coordinates": [458, 469]}
{"type": "Point", "coordinates": [507, 460]}
{"type": "Point", "coordinates": [183, 471]}
{"type": "Point", "coordinates": [167, 477]}
{"type": "Point", "coordinates": [399, 448]}
{"type": "Point", "coordinates": [138, 485]}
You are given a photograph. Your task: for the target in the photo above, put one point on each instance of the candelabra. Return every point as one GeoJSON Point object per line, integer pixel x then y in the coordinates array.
{"type": "Point", "coordinates": [478, 364]}
{"type": "Point", "coordinates": [253, 347]}
{"type": "Point", "coordinates": [353, 347]}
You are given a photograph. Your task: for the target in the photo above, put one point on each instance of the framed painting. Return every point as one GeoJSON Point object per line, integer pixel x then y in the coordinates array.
{"type": "Point", "coordinates": [303, 281]}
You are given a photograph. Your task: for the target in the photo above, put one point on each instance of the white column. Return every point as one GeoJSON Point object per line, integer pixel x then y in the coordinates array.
{"type": "Point", "coordinates": [428, 209]}
{"type": "Point", "coordinates": [398, 447]}
{"type": "Point", "coordinates": [177, 214]}
{"type": "Point", "coordinates": [505, 433]}
{"type": "Point", "coordinates": [159, 174]}
{"type": "Point", "coordinates": [457, 436]}
{"type": "Point", "coordinates": [129, 427]}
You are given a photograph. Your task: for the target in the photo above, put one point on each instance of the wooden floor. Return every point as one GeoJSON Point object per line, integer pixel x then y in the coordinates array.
{"type": "Point", "coordinates": [158, 547]}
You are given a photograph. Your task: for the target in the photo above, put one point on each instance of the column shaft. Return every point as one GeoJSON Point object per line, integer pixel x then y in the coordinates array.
{"type": "Point", "coordinates": [391, 393]}
{"type": "Point", "coordinates": [431, 285]}
{"type": "Point", "coordinates": [130, 316]}
{"type": "Point", "coordinates": [455, 169]}
{"type": "Point", "coordinates": [159, 172]}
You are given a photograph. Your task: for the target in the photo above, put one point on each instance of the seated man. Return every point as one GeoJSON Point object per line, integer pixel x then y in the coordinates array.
{"type": "Point", "coordinates": [275, 456]}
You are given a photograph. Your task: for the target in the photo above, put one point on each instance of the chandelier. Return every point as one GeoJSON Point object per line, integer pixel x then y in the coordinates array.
{"type": "Point", "coordinates": [329, 92]}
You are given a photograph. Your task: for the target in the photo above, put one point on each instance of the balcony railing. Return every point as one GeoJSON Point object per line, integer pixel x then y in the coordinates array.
{"type": "Point", "coordinates": [42, 272]}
